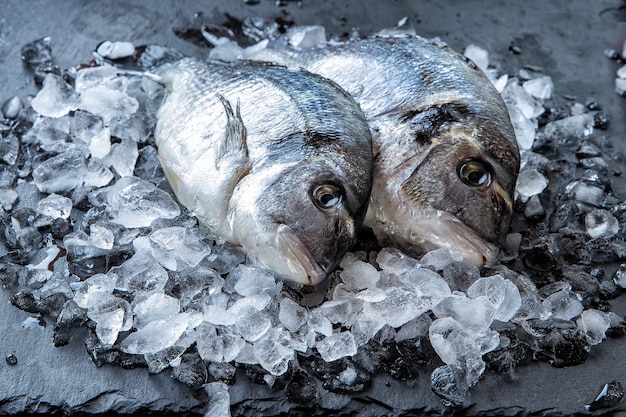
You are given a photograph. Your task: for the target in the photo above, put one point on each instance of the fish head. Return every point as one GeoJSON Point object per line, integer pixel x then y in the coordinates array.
{"type": "Point", "coordinates": [454, 189]}
{"type": "Point", "coordinates": [302, 221]}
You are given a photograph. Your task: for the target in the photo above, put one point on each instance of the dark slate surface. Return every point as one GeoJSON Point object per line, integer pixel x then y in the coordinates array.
{"type": "Point", "coordinates": [565, 38]}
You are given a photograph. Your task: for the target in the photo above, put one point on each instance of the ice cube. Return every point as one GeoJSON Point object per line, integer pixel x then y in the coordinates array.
{"type": "Point", "coordinates": [450, 384]}
{"type": "Point", "coordinates": [253, 281]}
{"type": "Point", "coordinates": [259, 302]}
{"type": "Point", "coordinates": [252, 324]}
{"type": "Point", "coordinates": [394, 261]}
{"type": "Point", "coordinates": [210, 346]}
{"type": "Point", "coordinates": [219, 316]}
{"type": "Point", "coordinates": [111, 315]}
{"type": "Point", "coordinates": [273, 356]}
{"type": "Point", "coordinates": [62, 172]}
{"type": "Point", "coordinates": [134, 202]}
{"type": "Point", "coordinates": [426, 283]}
{"type": "Point", "coordinates": [8, 197]}
{"type": "Point", "coordinates": [115, 50]}
{"type": "Point", "coordinates": [336, 346]}
{"type": "Point", "coordinates": [524, 128]}
{"type": "Point", "coordinates": [530, 182]}
{"type": "Point", "coordinates": [93, 290]}
{"type": "Point", "coordinates": [141, 272]}
{"type": "Point", "coordinates": [156, 335]}
{"type": "Point", "coordinates": [232, 346]}
{"type": "Point", "coordinates": [368, 322]}
{"type": "Point", "coordinates": [563, 305]}
{"type": "Point", "coordinates": [154, 306]}
{"type": "Point", "coordinates": [540, 88]}
{"type": "Point", "coordinates": [320, 324]}
{"type": "Point", "coordinates": [470, 312]}
{"type": "Point", "coordinates": [620, 86]}
{"type": "Point", "coordinates": [292, 315]}
{"type": "Point", "coordinates": [593, 324]}
{"type": "Point", "coordinates": [601, 223]}
{"type": "Point", "coordinates": [478, 55]}
{"type": "Point", "coordinates": [184, 244]}
{"type": "Point", "coordinates": [57, 98]}
{"type": "Point", "coordinates": [306, 37]}
{"type": "Point", "coordinates": [400, 306]}
{"type": "Point", "coordinates": [55, 206]}
{"type": "Point", "coordinates": [107, 103]}
{"type": "Point", "coordinates": [122, 157]}
{"type": "Point", "coordinates": [441, 257]}
{"type": "Point", "coordinates": [88, 78]}
{"type": "Point", "coordinates": [218, 403]}
{"type": "Point", "coordinates": [89, 129]}
{"type": "Point", "coordinates": [503, 295]}
{"type": "Point", "coordinates": [359, 274]}
{"type": "Point", "coordinates": [621, 72]}
{"type": "Point", "coordinates": [570, 129]}
{"type": "Point", "coordinates": [341, 311]}
{"type": "Point", "coordinates": [589, 194]}
{"type": "Point", "coordinates": [455, 345]}
{"type": "Point", "coordinates": [101, 237]}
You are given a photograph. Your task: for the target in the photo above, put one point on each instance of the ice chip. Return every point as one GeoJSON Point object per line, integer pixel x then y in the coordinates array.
{"type": "Point", "coordinates": [470, 312]}
{"type": "Point", "coordinates": [601, 223]}
{"type": "Point", "coordinates": [140, 273]}
{"type": "Point", "coordinates": [593, 324]}
{"type": "Point", "coordinates": [570, 129]}
{"type": "Point", "coordinates": [210, 346]}
{"type": "Point", "coordinates": [426, 283]}
{"type": "Point", "coordinates": [620, 276]}
{"type": "Point", "coordinates": [450, 384]}
{"type": "Point", "coordinates": [320, 324]}
{"type": "Point", "coordinates": [107, 103]}
{"type": "Point", "coordinates": [62, 172]}
{"type": "Point", "coordinates": [218, 403]}
{"type": "Point", "coordinates": [137, 203]}
{"type": "Point", "coordinates": [478, 55]}
{"type": "Point", "coordinates": [336, 346]}
{"type": "Point", "coordinates": [306, 37]}
{"type": "Point", "coordinates": [530, 182]}
{"type": "Point", "coordinates": [55, 206]}
{"type": "Point", "coordinates": [8, 197]}
{"type": "Point", "coordinates": [122, 157]}
{"type": "Point", "coordinates": [292, 315]}
{"type": "Point", "coordinates": [218, 315]}
{"type": "Point", "coordinates": [524, 128]}
{"type": "Point", "coordinates": [400, 306]}
{"type": "Point", "coordinates": [360, 275]}
{"type": "Point", "coordinates": [253, 281]}
{"type": "Point", "coordinates": [56, 98]}
{"type": "Point", "coordinates": [89, 129]}
{"type": "Point", "coordinates": [154, 306]}
{"type": "Point", "coordinates": [395, 261]}
{"type": "Point", "coordinates": [563, 305]}
{"type": "Point", "coordinates": [441, 257]}
{"type": "Point", "coordinates": [156, 335]}
{"type": "Point", "coordinates": [252, 324]}
{"type": "Point", "coordinates": [620, 86]}
{"type": "Point", "coordinates": [184, 244]}
{"type": "Point", "coordinates": [91, 77]}
{"type": "Point", "coordinates": [540, 88]}
{"type": "Point", "coordinates": [93, 290]}
{"type": "Point", "coordinates": [101, 237]}
{"type": "Point", "coordinates": [111, 315]}
{"type": "Point", "coordinates": [273, 356]}
{"type": "Point", "coordinates": [115, 50]}
{"type": "Point", "coordinates": [503, 295]}
{"type": "Point", "coordinates": [368, 322]}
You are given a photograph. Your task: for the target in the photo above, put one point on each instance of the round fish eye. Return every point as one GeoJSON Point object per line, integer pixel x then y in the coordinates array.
{"type": "Point", "coordinates": [327, 197]}
{"type": "Point", "coordinates": [475, 174]}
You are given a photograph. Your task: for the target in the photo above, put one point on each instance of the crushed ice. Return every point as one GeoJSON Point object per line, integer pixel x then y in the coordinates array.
{"type": "Point", "coordinates": [95, 238]}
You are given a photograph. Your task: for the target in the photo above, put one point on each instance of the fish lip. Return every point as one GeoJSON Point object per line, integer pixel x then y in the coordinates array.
{"type": "Point", "coordinates": [468, 241]}
{"type": "Point", "coordinates": [292, 244]}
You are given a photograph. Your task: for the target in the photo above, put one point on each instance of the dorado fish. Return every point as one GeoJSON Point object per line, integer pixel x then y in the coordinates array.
{"type": "Point", "coordinates": [445, 154]}
{"type": "Point", "coordinates": [277, 161]}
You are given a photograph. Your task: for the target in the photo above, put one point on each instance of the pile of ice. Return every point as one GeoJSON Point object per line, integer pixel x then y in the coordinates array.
{"type": "Point", "coordinates": [94, 238]}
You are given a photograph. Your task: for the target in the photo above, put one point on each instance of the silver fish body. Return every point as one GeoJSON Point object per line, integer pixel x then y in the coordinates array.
{"type": "Point", "coordinates": [446, 157]}
{"type": "Point", "coordinates": [277, 161]}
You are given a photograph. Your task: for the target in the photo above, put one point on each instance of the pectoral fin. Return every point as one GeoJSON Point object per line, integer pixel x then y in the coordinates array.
{"type": "Point", "coordinates": [233, 144]}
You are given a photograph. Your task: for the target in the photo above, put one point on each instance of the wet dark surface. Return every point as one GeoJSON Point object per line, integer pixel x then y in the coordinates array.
{"type": "Point", "coordinates": [564, 39]}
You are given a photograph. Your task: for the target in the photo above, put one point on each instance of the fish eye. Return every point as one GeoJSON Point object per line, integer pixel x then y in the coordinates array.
{"type": "Point", "coordinates": [327, 197]}
{"type": "Point", "coordinates": [475, 174]}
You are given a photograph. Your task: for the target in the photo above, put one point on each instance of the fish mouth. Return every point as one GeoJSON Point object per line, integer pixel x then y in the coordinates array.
{"type": "Point", "coordinates": [452, 233]}
{"type": "Point", "coordinates": [302, 266]}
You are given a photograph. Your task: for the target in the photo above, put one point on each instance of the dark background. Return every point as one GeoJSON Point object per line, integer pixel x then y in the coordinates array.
{"type": "Point", "coordinates": [566, 39]}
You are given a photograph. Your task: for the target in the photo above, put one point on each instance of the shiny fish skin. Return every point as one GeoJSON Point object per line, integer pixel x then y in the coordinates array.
{"type": "Point", "coordinates": [259, 154]}
{"type": "Point", "coordinates": [435, 119]}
